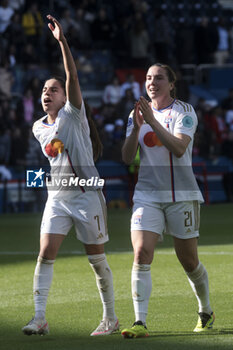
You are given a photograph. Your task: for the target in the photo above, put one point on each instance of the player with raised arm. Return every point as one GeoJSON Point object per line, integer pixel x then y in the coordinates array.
{"type": "Point", "coordinates": [64, 134]}
{"type": "Point", "coordinates": [166, 198]}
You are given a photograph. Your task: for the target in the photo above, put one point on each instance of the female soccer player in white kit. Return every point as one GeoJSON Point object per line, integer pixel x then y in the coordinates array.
{"type": "Point", "coordinates": [166, 197]}
{"type": "Point", "coordinates": [64, 135]}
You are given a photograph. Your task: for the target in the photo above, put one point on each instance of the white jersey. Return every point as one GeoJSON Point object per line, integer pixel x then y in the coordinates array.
{"type": "Point", "coordinates": [162, 176]}
{"type": "Point", "coordinates": [67, 145]}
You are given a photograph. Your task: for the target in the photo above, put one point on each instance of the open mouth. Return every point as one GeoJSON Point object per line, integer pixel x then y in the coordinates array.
{"type": "Point", "coordinates": [47, 100]}
{"type": "Point", "coordinates": [152, 88]}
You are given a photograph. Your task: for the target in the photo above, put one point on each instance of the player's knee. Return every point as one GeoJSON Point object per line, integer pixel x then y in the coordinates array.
{"type": "Point", "coordinates": [190, 264]}
{"type": "Point", "coordinates": [142, 255]}
{"type": "Point", "coordinates": [48, 252]}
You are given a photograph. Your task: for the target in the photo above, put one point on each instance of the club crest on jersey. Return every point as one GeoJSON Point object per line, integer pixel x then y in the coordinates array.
{"type": "Point", "coordinates": [55, 147]}
{"type": "Point", "coordinates": [137, 220]}
{"type": "Point", "coordinates": [168, 120]}
{"type": "Point", "coordinates": [187, 121]}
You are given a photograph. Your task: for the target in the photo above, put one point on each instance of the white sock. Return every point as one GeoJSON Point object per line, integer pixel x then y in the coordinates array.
{"type": "Point", "coordinates": [104, 283]}
{"type": "Point", "coordinates": [198, 280]}
{"type": "Point", "coordinates": [141, 289]}
{"type": "Point", "coordinates": [42, 281]}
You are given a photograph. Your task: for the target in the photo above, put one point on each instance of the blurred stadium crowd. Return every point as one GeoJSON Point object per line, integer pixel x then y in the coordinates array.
{"type": "Point", "coordinates": [113, 43]}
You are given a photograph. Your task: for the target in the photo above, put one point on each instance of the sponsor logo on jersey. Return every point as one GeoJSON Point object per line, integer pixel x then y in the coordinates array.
{"type": "Point", "coordinates": [151, 139]}
{"type": "Point", "coordinates": [55, 147]}
{"type": "Point", "coordinates": [187, 121]}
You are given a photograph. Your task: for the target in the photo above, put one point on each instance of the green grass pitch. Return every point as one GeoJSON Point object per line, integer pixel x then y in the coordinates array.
{"type": "Point", "coordinates": [74, 308]}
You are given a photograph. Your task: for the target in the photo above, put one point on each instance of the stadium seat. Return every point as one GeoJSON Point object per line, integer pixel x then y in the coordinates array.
{"type": "Point", "coordinates": [202, 92]}
{"type": "Point", "coordinates": [138, 73]}
{"type": "Point", "coordinates": [116, 181]}
{"type": "Point", "coordinates": [101, 58]}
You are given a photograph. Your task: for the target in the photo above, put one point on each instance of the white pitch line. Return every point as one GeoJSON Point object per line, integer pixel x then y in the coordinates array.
{"type": "Point", "coordinates": [76, 252]}
{"type": "Point", "coordinates": [173, 253]}
{"type": "Point", "coordinates": [79, 252]}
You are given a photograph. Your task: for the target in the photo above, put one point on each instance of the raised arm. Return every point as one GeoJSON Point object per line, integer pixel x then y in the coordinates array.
{"type": "Point", "coordinates": [73, 91]}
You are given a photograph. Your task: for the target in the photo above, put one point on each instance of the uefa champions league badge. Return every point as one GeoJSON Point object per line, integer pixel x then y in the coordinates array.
{"type": "Point", "coordinates": [35, 178]}
{"type": "Point", "coordinates": [130, 122]}
{"type": "Point", "coordinates": [187, 121]}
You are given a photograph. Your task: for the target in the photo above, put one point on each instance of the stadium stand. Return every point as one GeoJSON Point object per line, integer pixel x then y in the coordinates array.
{"type": "Point", "coordinates": [208, 81]}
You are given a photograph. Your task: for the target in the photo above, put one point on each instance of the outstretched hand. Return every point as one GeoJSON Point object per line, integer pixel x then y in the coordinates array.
{"type": "Point", "coordinates": [55, 28]}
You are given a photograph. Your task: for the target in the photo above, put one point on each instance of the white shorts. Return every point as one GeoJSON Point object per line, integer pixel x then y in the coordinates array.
{"type": "Point", "coordinates": [87, 212]}
{"type": "Point", "coordinates": [180, 219]}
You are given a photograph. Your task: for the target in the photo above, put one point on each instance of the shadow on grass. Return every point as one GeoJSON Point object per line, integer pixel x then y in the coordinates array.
{"type": "Point", "coordinates": [14, 339]}
{"type": "Point", "coordinates": [211, 333]}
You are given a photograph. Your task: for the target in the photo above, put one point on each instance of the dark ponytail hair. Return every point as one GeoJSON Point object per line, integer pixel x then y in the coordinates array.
{"type": "Point", "coordinates": [97, 146]}
{"type": "Point", "coordinates": [61, 80]}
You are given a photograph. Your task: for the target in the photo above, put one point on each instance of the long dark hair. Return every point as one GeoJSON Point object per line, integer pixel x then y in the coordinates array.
{"type": "Point", "coordinates": [170, 74]}
{"type": "Point", "coordinates": [97, 146]}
